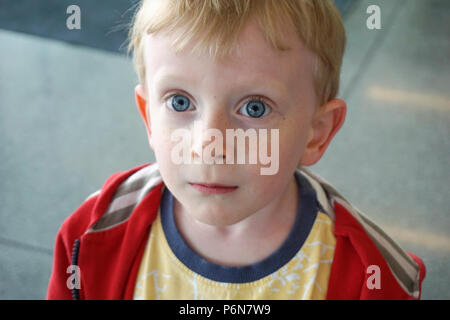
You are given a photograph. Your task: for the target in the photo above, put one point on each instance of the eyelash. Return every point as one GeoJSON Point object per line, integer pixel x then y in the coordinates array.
{"type": "Point", "coordinates": [251, 98]}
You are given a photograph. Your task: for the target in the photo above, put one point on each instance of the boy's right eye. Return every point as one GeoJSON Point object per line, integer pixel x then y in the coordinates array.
{"type": "Point", "coordinates": [178, 103]}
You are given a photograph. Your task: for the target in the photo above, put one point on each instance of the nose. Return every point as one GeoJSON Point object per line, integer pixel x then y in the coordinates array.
{"type": "Point", "coordinates": [210, 130]}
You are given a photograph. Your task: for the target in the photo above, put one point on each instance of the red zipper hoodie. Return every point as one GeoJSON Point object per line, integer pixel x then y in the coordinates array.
{"type": "Point", "coordinates": [99, 247]}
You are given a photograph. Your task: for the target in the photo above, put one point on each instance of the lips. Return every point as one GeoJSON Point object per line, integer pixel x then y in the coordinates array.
{"type": "Point", "coordinates": [212, 188]}
{"type": "Point", "coordinates": [213, 185]}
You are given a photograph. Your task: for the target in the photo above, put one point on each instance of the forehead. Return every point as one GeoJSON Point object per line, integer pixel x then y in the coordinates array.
{"type": "Point", "coordinates": [253, 58]}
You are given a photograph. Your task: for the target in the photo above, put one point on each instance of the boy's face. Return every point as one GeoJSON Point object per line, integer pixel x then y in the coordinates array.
{"type": "Point", "coordinates": [217, 93]}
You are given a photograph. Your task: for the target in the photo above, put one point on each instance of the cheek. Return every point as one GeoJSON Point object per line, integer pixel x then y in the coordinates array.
{"type": "Point", "coordinates": [293, 139]}
{"type": "Point", "coordinates": [292, 144]}
{"type": "Point", "coordinates": [162, 144]}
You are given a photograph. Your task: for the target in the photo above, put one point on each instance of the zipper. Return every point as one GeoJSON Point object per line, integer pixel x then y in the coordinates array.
{"type": "Point", "coordinates": [75, 251]}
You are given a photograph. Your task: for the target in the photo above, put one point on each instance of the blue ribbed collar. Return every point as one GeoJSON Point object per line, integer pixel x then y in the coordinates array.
{"type": "Point", "coordinates": [304, 221]}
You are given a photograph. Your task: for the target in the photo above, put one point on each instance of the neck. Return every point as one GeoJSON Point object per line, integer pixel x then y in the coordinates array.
{"type": "Point", "coordinates": [247, 241]}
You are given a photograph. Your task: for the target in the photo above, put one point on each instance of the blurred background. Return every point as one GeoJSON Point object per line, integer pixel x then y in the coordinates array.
{"type": "Point", "coordinates": [68, 121]}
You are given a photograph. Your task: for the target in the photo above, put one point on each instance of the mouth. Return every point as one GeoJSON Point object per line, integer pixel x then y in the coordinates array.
{"type": "Point", "coordinates": [212, 188]}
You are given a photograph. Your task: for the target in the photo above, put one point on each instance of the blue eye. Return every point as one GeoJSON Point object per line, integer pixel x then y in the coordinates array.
{"type": "Point", "coordinates": [179, 103]}
{"type": "Point", "coordinates": [255, 108]}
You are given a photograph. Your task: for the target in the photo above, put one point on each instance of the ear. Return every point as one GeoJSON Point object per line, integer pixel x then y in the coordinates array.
{"type": "Point", "coordinates": [140, 95]}
{"type": "Point", "coordinates": [326, 122]}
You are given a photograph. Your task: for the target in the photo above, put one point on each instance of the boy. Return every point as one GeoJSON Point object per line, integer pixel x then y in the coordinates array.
{"type": "Point", "coordinates": [216, 229]}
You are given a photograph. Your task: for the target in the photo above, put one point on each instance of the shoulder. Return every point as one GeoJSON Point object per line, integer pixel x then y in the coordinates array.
{"type": "Point", "coordinates": [121, 190]}
{"type": "Point", "coordinates": [364, 248]}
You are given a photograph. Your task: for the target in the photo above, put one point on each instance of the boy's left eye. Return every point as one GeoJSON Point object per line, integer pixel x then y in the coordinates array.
{"type": "Point", "coordinates": [255, 108]}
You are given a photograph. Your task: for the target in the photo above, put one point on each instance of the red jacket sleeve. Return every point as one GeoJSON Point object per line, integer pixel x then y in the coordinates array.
{"type": "Point", "coordinates": [57, 288]}
{"type": "Point", "coordinates": [72, 228]}
{"type": "Point", "coordinates": [358, 264]}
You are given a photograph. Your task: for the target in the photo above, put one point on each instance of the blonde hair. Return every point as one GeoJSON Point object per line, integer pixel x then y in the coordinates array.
{"type": "Point", "coordinates": [215, 25]}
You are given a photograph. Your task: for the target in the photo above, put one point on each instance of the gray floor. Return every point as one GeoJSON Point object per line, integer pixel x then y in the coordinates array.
{"type": "Point", "coordinates": [68, 121]}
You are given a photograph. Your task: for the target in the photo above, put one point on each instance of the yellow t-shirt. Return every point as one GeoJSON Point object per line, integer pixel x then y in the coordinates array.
{"type": "Point", "coordinates": [300, 269]}
{"type": "Point", "coordinates": [305, 276]}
